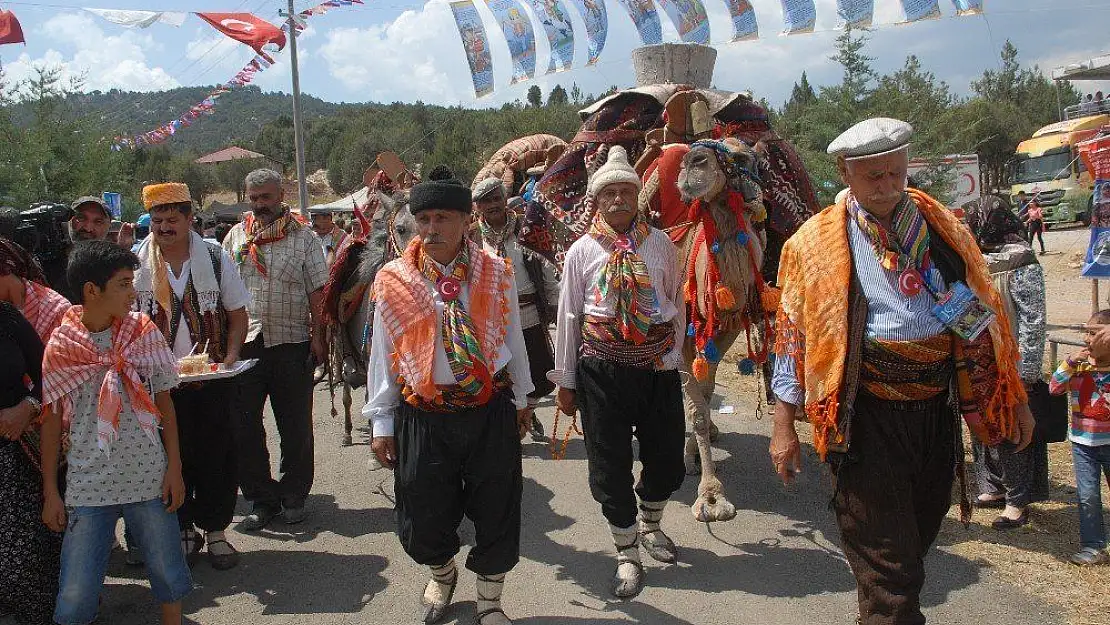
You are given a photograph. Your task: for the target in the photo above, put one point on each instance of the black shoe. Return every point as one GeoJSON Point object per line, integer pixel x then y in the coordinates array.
{"type": "Point", "coordinates": [1004, 523]}
{"type": "Point", "coordinates": [990, 504]}
{"type": "Point", "coordinates": [258, 519]}
{"type": "Point", "coordinates": [537, 429]}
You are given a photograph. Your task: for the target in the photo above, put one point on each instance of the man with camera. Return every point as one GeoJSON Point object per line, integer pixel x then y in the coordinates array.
{"type": "Point", "coordinates": [89, 220]}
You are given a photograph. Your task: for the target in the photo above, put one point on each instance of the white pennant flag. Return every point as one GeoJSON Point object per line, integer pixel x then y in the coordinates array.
{"type": "Point", "coordinates": [139, 19]}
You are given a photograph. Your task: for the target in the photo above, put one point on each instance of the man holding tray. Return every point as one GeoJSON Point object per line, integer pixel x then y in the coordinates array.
{"type": "Point", "coordinates": [193, 292]}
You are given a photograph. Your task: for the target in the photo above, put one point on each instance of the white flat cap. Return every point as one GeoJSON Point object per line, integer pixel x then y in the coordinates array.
{"type": "Point", "coordinates": [872, 137]}
{"type": "Point", "coordinates": [484, 187]}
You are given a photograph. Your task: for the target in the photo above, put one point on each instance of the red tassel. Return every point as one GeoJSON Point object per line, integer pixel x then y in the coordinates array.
{"type": "Point", "coordinates": [725, 299]}
{"type": "Point", "coordinates": [771, 298]}
{"type": "Point", "coordinates": [700, 369]}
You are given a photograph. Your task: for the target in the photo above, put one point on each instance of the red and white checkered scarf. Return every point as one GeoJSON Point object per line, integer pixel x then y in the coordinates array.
{"type": "Point", "coordinates": [43, 307]}
{"type": "Point", "coordinates": [72, 359]}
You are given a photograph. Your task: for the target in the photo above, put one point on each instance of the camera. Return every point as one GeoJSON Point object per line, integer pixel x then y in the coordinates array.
{"type": "Point", "coordinates": [43, 231]}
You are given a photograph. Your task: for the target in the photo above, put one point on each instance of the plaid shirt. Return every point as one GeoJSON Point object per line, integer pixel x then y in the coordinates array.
{"type": "Point", "coordinates": [279, 307]}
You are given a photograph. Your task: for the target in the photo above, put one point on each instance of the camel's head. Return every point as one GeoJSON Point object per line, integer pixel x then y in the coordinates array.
{"type": "Point", "coordinates": [712, 166]}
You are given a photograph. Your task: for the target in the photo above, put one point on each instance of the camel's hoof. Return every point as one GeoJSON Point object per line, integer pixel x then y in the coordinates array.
{"type": "Point", "coordinates": [708, 510]}
{"type": "Point", "coordinates": [714, 432]}
{"type": "Point", "coordinates": [693, 464]}
{"type": "Point", "coordinates": [347, 441]}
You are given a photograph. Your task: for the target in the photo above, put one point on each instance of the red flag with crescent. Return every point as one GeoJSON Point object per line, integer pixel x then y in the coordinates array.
{"type": "Point", "coordinates": [10, 30]}
{"type": "Point", "coordinates": [246, 28]}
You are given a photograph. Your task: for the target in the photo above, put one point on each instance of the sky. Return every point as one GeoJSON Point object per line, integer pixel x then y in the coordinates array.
{"type": "Point", "coordinates": [406, 50]}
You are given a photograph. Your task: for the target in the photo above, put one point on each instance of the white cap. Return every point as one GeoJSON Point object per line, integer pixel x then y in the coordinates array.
{"type": "Point", "coordinates": [872, 137]}
{"type": "Point", "coordinates": [486, 186]}
{"type": "Point", "coordinates": [616, 169]}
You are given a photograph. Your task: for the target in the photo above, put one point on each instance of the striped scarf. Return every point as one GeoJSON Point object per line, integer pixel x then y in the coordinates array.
{"type": "Point", "coordinates": [904, 251]}
{"type": "Point", "coordinates": [259, 235]}
{"type": "Point", "coordinates": [43, 307]}
{"type": "Point", "coordinates": [460, 341]}
{"type": "Point", "coordinates": [499, 238]}
{"type": "Point", "coordinates": [72, 359]}
{"type": "Point", "coordinates": [626, 276]}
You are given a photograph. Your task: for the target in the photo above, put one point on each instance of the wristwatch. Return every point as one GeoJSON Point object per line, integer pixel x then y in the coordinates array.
{"type": "Point", "coordinates": [35, 403]}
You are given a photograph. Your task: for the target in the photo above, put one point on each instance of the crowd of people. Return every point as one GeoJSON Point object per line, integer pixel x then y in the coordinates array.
{"type": "Point", "coordinates": [897, 317]}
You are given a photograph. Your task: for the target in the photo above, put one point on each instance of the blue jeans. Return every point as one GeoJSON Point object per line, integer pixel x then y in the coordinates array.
{"type": "Point", "coordinates": [1091, 464]}
{"type": "Point", "coordinates": [88, 542]}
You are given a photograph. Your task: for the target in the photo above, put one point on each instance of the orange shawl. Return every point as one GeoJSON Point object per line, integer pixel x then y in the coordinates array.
{"type": "Point", "coordinates": [404, 300]}
{"type": "Point", "coordinates": [815, 274]}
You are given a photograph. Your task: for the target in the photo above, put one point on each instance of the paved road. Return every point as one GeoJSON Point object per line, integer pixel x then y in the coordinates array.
{"type": "Point", "coordinates": [777, 563]}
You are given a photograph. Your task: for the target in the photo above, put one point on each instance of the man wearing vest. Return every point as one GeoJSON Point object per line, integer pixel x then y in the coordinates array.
{"type": "Point", "coordinates": [194, 294]}
{"type": "Point", "coordinates": [448, 385]}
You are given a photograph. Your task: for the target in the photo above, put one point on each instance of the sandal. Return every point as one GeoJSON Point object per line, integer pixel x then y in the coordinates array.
{"type": "Point", "coordinates": [433, 612]}
{"type": "Point", "coordinates": [484, 613]}
{"type": "Point", "coordinates": [1005, 523]}
{"type": "Point", "coordinates": [223, 561]}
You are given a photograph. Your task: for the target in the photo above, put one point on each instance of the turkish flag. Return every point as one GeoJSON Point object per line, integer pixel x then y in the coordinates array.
{"type": "Point", "coordinates": [10, 30]}
{"type": "Point", "coordinates": [246, 28]}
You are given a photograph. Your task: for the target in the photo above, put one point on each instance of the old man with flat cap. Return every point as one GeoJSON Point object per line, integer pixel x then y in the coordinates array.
{"type": "Point", "coordinates": [889, 331]}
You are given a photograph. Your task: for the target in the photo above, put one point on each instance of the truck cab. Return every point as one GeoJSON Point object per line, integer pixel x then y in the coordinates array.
{"type": "Point", "coordinates": [1048, 168]}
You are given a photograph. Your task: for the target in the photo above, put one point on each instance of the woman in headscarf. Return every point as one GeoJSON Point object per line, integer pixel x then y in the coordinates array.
{"type": "Point", "coordinates": [29, 551]}
{"type": "Point", "coordinates": [1006, 479]}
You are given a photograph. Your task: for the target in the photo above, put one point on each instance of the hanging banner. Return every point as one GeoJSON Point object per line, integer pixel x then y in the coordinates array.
{"type": "Point", "coordinates": [1096, 156]}
{"type": "Point", "coordinates": [518, 34]}
{"type": "Point", "coordinates": [646, 19]}
{"type": "Point", "coordinates": [114, 202]}
{"type": "Point", "coordinates": [968, 7]}
{"type": "Point", "coordinates": [476, 45]}
{"type": "Point", "coordinates": [689, 18]}
{"type": "Point", "coordinates": [560, 34]}
{"type": "Point", "coordinates": [597, 26]}
{"type": "Point", "coordinates": [856, 13]}
{"type": "Point", "coordinates": [139, 19]}
{"type": "Point", "coordinates": [10, 29]}
{"type": "Point", "coordinates": [247, 29]}
{"type": "Point", "coordinates": [916, 10]}
{"type": "Point", "coordinates": [744, 25]}
{"type": "Point", "coordinates": [799, 16]}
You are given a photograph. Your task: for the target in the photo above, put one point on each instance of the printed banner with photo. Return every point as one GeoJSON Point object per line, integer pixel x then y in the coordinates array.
{"type": "Point", "coordinates": [856, 13]}
{"type": "Point", "coordinates": [1096, 156]}
{"type": "Point", "coordinates": [597, 27]}
{"type": "Point", "coordinates": [476, 45]}
{"type": "Point", "coordinates": [968, 7]}
{"type": "Point", "coordinates": [799, 16]}
{"type": "Point", "coordinates": [689, 18]}
{"type": "Point", "coordinates": [920, 10]}
{"type": "Point", "coordinates": [518, 34]}
{"type": "Point", "coordinates": [560, 34]}
{"type": "Point", "coordinates": [646, 19]}
{"type": "Point", "coordinates": [744, 25]}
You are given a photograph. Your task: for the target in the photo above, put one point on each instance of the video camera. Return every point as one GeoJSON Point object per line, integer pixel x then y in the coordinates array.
{"type": "Point", "coordinates": [43, 230]}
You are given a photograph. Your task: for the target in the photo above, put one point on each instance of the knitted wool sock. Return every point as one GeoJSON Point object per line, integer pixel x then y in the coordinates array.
{"type": "Point", "coordinates": [438, 590]}
{"type": "Point", "coordinates": [627, 542]}
{"type": "Point", "coordinates": [218, 544]}
{"type": "Point", "coordinates": [651, 514]}
{"type": "Point", "coordinates": [489, 589]}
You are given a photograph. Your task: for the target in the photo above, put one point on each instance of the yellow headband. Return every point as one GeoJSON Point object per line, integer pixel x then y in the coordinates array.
{"type": "Point", "coordinates": [166, 193]}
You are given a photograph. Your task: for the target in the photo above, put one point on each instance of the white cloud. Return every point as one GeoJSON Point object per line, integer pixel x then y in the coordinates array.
{"type": "Point", "coordinates": [105, 62]}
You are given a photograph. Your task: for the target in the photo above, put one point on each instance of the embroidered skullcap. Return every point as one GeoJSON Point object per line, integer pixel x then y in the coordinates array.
{"type": "Point", "coordinates": [165, 193]}
{"type": "Point", "coordinates": [440, 191]}
{"type": "Point", "coordinates": [487, 186]}
{"type": "Point", "coordinates": [872, 137]}
{"type": "Point", "coordinates": [616, 169]}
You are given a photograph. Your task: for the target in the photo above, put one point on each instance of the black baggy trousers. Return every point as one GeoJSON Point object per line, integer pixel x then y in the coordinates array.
{"type": "Point", "coordinates": [460, 463]}
{"type": "Point", "coordinates": [205, 429]}
{"type": "Point", "coordinates": [618, 402]}
{"type": "Point", "coordinates": [892, 493]}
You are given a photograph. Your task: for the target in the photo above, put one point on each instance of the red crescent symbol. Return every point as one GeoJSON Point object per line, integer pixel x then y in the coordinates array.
{"type": "Point", "coordinates": [449, 289]}
{"type": "Point", "coordinates": [909, 282]}
{"type": "Point", "coordinates": [971, 181]}
{"type": "Point", "coordinates": [237, 25]}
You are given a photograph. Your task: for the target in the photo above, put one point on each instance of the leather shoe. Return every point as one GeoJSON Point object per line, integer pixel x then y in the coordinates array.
{"type": "Point", "coordinates": [1004, 523]}
{"type": "Point", "coordinates": [258, 519]}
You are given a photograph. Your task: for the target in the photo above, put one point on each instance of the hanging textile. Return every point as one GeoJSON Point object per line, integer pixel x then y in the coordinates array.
{"type": "Point", "coordinates": [597, 26]}
{"type": "Point", "coordinates": [856, 13]}
{"type": "Point", "coordinates": [139, 19]}
{"type": "Point", "coordinates": [646, 19]}
{"type": "Point", "coordinates": [560, 34]}
{"type": "Point", "coordinates": [517, 29]}
{"type": "Point", "coordinates": [744, 25]}
{"type": "Point", "coordinates": [799, 16]}
{"type": "Point", "coordinates": [968, 7]}
{"type": "Point", "coordinates": [246, 29]}
{"type": "Point", "coordinates": [689, 18]}
{"type": "Point", "coordinates": [916, 10]}
{"type": "Point", "coordinates": [10, 30]}
{"type": "Point", "coordinates": [476, 45]}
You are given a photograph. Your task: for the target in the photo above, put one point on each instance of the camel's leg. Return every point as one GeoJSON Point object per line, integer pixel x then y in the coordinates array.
{"type": "Point", "coordinates": [711, 503]}
{"type": "Point", "coordinates": [347, 415]}
{"type": "Point", "coordinates": [697, 407]}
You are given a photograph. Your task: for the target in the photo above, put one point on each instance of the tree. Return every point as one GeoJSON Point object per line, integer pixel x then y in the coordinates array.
{"type": "Point", "coordinates": [557, 97]}
{"type": "Point", "coordinates": [535, 96]}
{"type": "Point", "coordinates": [200, 178]}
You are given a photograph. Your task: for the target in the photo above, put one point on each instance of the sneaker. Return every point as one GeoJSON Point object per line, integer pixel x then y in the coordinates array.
{"type": "Point", "coordinates": [258, 519]}
{"type": "Point", "coordinates": [1089, 556]}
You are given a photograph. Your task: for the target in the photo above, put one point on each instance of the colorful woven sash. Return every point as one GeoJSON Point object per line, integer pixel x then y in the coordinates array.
{"type": "Point", "coordinates": [258, 235]}
{"type": "Point", "coordinates": [460, 341]}
{"type": "Point", "coordinates": [904, 251]}
{"type": "Point", "coordinates": [626, 276]}
{"type": "Point", "coordinates": [498, 238]}
{"type": "Point", "coordinates": [907, 370]}
{"type": "Point", "coordinates": [453, 398]}
{"type": "Point", "coordinates": [602, 338]}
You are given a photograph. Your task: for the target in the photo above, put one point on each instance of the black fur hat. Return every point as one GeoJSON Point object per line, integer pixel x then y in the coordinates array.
{"type": "Point", "coordinates": [440, 191]}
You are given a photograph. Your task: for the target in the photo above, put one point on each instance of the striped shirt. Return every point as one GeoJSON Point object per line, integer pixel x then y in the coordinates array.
{"type": "Point", "coordinates": [891, 315]}
{"type": "Point", "coordinates": [1089, 390]}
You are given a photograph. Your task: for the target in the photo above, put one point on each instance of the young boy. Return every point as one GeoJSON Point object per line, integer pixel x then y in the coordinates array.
{"type": "Point", "coordinates": [102, 366]}
{"type": "Point", "coordinates": [1087, 375]}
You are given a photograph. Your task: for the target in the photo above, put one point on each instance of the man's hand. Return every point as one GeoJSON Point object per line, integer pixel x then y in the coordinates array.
{"type": "Point", "coordinates": [567, 401]}
{"type": "Point", "coordinates": [231, 358]}
{"type": "Point", "coordinates": [319, 348]}
{"type": "Point", "coordinates": [1025, 425]}
{"type": "Point", "coordinates": [385, 448]}
{"type": "Point", "coordinates": [173, 488]}
{"type": "Point", "coordinates": [785, 450]}
{"type": "Point", "coordinates": [524, 420]}
{"type": "Point", "coordinates": [54, 512]}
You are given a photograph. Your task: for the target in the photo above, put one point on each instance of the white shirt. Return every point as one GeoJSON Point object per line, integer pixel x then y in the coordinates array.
{"type": "Point", "coordinates": [233, 293]}
{"type": "Point", "coordinates": [529, 315]}
{"type": "Point", "coordinates": [384, 389]}
{"type": "Point", "coordinates": [581, 269]}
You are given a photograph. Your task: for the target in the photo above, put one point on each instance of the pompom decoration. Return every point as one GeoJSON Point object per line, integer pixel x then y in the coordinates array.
{"type": "Point", "coordinates": [441, 172]}
{"type": "Point", "coordinates": [746, 366]}
{"type": "Point", "coordinates": [712, 354]}
{"type": "Point", "coordinates": [700, 369]}
{"type": "Point", "coordinates": [770, 298]}
{"type": "Point", "coordinates": [691, 330]}
{"type": "Point", "coordinates": [725, 299]}
{"type": "Point", "coordinates": [716, 248]}
{"type": "Point", "coordinates": [742, 238]}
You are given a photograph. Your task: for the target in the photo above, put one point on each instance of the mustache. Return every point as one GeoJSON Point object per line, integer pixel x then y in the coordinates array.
{"type": "Point", "coordinates": [432, 239]}
{"type": "Point", "coordinates": [618, 208]}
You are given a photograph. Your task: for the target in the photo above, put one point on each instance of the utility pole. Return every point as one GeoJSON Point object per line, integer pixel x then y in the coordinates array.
{"type": "Point", "coordinates": [298, 136]}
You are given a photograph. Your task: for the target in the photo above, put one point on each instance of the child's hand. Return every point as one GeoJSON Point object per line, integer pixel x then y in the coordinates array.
{"type": "Point", "coordinates": [54, 512]}
{"type": "Point", "coordinates": [1081, 356]}
{"type": "Point", "coordinates": [173, 489]}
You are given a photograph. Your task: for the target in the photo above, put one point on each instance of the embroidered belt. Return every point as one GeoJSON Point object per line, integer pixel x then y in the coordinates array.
{"type": "Point", "coordinates": [452, 397]}
{"type": "Point", "coordinates": [907, 371]}
{"type": "Point", "coordinates": [601, 338]}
